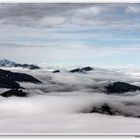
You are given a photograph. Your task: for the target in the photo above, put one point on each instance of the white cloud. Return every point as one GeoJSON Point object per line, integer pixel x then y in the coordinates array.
{"type": "Point", "coordinates": [51, 21]}
{"type": "Point", "coordinates": [61, 105]}
{"type": "Point", "coordinates": [132, 9]}
{"type": "Point", "coordinates": [89, 12]}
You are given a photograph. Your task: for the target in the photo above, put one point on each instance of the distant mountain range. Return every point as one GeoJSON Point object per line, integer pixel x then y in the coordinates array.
{"type": "Point", "coordinates": [8, 64]}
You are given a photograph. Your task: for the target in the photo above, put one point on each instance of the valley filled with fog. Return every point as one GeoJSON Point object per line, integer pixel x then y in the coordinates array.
{"type": "Point", "coordinates": [64, 102]}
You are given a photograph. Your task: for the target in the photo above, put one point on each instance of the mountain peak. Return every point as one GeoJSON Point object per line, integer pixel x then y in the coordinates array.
{"type": "Point", "coordinates": [8, 63]}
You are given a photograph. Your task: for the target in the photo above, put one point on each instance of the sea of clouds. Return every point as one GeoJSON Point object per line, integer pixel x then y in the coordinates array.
{"type": "Point", "coordinates": [62, 103]}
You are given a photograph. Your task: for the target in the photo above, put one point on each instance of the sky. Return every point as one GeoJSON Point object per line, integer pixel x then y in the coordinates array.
{"type": "Point", "coordinates": [71, 34]}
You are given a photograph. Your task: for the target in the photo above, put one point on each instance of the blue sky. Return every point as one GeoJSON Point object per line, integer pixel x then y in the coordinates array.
{"type": "Point", "coordinates": [71, 34]}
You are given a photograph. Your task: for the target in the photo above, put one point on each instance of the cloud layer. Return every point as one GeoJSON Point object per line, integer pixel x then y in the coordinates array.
{"type": "Point", "coordinates": [63, 102]}
{"type": "Point", "coordinates": [96, 34]}
{"type": "Point", "coordinates": [49, 15]}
